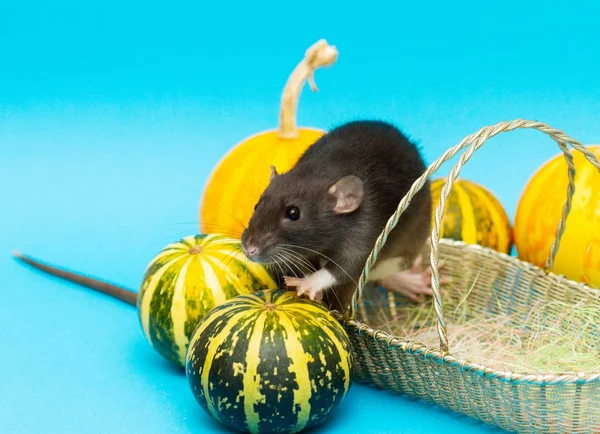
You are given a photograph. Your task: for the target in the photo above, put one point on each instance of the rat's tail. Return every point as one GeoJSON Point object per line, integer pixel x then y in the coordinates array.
{"type": "Point", "coordinates": [123, 294]}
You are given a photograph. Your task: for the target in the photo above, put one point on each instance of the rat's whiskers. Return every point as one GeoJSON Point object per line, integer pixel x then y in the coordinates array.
{"type": "Point", "coordinates": [290, 261]}
{"type": "Point", "coordinates": [250, 192]}
{"type": "Point", "coordinates": [286, 263]}
{"type": "Point", "coordinates": [230, 214]}
{"type": "Point", "coordinates": [213, 228]}
{"type": "Point", "coordinates": [230, 257]}
{"type": "Point", "coordinates": [280, 268]}
{"type": "Point", "coordinates": [324, 256]}
{"type": "Point", "coordinates": [298, 257]}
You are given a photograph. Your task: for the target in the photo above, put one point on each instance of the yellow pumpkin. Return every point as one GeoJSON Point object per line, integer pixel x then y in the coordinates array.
{"type": "Point", "coordinates": [473, 215]}
{"type": "Point", "coordinates": [539, 211]}
{"type": "Point", "coordinates": [243, 174]}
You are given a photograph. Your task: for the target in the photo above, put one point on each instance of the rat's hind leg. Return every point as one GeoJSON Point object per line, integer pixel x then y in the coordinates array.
{"type": "Point", "coordinates": [411, 283]}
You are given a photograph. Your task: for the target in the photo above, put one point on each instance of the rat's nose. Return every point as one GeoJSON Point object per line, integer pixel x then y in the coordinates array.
{"type": "Point", "coordinates": [251, 251]}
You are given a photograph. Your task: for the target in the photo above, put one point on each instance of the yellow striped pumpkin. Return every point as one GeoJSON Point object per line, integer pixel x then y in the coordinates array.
{"type": "Point", "coordinates": [185, 281]}
{"type": "Point", "coordinates": [473, 215]}
{"type": "Point", "coordinates": [539, 210]}
{"type": "Point", "coordinates": [269, 362]}
{"type": "Point", "coordinates": [242, 175]}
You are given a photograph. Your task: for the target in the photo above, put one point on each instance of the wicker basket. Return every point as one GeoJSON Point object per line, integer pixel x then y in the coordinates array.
{"type": "Point", "coordinates": [515, 401]}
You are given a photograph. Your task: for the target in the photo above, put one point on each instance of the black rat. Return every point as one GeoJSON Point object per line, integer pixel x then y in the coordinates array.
{"type": "Point", "coordinates": [326, 212]}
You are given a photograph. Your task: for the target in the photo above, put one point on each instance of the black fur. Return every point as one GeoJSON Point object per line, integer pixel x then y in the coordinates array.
{"type": "Point", "coordinates": [386, 161]}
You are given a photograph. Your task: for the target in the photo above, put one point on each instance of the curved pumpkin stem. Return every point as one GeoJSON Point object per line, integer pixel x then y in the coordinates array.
{"type": "Point", "coordinates": [318, 55]}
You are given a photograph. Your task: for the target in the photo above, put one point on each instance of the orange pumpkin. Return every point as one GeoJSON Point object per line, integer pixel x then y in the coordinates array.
{"type": "Point", "coordinates": [539, 211]}
{"type": "Point", "coordinates": [243, 174]}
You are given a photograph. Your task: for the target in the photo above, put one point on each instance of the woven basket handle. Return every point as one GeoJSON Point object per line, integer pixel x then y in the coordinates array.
{"type": "Point", "coordinates": [476, 140]}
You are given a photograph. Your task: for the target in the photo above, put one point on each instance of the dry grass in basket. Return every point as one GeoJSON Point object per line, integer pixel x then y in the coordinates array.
{"type": "Point", "coordinates": [556, 337]}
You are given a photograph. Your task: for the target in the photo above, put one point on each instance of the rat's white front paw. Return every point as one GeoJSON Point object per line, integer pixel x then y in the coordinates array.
{"type": "Point", "coordinates": [304, 287]}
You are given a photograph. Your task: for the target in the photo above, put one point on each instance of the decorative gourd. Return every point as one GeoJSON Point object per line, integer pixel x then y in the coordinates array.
{"type": "Point", "coordinates": [269, 362]}
{"type": "Point", "coordinates": [185, 281]}
{"type": "Point", "coordinates": [243, 174]}
{"type": "Point", "coordinates": [473, 215]}
{"type": "Point", "coordinates": [539, 210]}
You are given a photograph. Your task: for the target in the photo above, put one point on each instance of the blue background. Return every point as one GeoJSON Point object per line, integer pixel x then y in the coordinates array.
{"type": "Point", "coordinates": [113, 113]}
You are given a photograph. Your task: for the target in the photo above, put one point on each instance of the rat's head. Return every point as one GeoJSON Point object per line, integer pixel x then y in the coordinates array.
{"type": "Point", "coordinates": [300, 214]}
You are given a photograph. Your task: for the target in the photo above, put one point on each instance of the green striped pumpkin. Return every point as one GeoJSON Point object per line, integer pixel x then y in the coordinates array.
{"type": "Point", "coordinates": [185, 281]}
{"type": "Point", "coordinates": [269, 362]}
{"type": "Point", "coordinates": [472, 215]}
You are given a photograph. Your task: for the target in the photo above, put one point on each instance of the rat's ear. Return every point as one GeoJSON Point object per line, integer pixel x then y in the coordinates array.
{"type": "Point", "coordinates": [348, 193]}
{"type": "Point", "coordinates": [273, 172]}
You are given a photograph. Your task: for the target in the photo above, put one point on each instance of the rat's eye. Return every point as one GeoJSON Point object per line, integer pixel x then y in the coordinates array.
{"type": "Point", "coordinates": [292, 213]}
